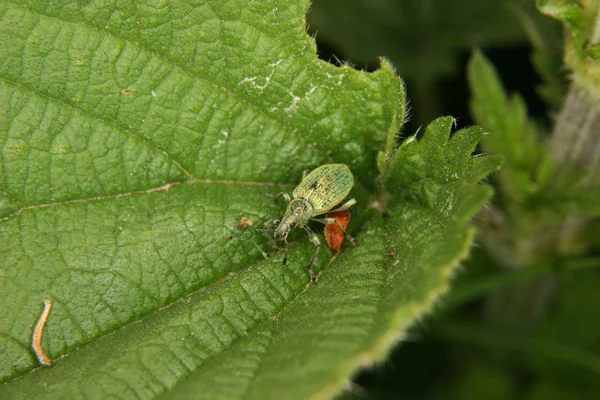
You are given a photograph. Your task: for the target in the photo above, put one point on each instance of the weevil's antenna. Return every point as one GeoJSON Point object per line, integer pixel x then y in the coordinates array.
{"type": "Point", "coordinates": [252, 232]}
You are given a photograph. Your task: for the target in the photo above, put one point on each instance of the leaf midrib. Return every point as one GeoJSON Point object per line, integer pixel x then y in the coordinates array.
{"type": "Point", "coordinates": [161, 188]}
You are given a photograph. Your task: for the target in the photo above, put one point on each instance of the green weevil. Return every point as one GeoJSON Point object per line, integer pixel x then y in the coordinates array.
{"type": "Point", "coordinates": [319, 192]}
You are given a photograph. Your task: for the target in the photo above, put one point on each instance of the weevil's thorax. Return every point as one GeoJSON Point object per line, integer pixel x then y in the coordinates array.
{"type": "Point", "coordinates": [298, 213]}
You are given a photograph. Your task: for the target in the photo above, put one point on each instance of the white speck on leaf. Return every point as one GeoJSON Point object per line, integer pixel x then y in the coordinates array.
{"type": "Point", "coordinates": [252, 80]}
{"type": "Point", "coordinates": [220, 143]}
{"type": "Point", "coordinates": [294, 106]}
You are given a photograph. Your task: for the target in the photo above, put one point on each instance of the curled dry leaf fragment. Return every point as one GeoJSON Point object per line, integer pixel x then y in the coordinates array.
{"type": "Point", "coordinates": [36, 340]}
{"type": "Point", "coordinates": [243, 223]}
{"type": "Point", "coordinates": [333, 231]}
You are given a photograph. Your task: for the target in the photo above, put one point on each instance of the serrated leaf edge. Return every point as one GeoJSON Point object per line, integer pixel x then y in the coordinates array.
{"type": "Point", "coordinates": [397, 330]}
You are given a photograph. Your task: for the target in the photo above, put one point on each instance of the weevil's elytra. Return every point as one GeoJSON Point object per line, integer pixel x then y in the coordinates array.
{"type": "Point", "coordinates": [325, 187]}
{"type": "Point", "coordinates": [319, 192]}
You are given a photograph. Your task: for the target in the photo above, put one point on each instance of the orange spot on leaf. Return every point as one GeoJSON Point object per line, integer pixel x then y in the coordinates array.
{"type": "Point", "coordinates": [333, 234]}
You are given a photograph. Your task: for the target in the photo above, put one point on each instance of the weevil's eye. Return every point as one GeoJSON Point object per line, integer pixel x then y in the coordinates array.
{"type": "Point", "coordinates": [292, 225]}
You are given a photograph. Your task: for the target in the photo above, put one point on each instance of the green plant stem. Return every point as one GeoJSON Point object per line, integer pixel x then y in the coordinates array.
{"type": "Point", "coordinates": [576, 135]}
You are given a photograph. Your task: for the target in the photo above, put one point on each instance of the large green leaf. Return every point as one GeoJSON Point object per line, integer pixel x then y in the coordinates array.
{"type": "Point", "coordinates": [133, 137]}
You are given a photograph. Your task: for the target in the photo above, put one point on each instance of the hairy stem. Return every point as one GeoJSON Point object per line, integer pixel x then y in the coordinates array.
{"type": "Point", "coordinates": [576, 136]}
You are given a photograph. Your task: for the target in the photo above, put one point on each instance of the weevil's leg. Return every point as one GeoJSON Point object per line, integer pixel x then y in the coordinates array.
{"type": "Point", "coordinates": [270, 226]}
{"type": "Point", "coordinates": [344, 206]}
{"type": "Point", "coordinates": [328, 221]}
{"type": "Point", "coordinates": [280, 194]}
{"type": "Point", "coordinates": [304, 173]}
{"type": "Point", "coordinates": [314, 239]}
{"type": "Point", "coordinates": [272, 223]}
{"type": "Point", "coordinates": [252, 232]}
{"type": "Point", "coordinates": [255, 231]}
{"type": "Point", "coordinates": [285, 249]}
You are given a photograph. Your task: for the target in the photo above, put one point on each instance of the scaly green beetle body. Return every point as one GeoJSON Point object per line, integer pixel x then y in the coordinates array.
{"type": "Point", "coordinates": [325, 187]}
{"type": "Point", "coordinates": [319, 192]}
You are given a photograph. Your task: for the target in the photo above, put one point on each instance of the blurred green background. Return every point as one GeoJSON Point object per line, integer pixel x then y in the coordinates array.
{"type": "Point", "coordinates": [508, 330]}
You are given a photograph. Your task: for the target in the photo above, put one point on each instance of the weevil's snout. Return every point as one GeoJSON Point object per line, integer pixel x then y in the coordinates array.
{"type": "Point", "coordinates": [281, 232]}
{"type": "Point", "coordinates": [298, 213]}
{"type": "Point", "coordinates": [288, 222]}
{"type": "Point", "coordinates": [286, 225]}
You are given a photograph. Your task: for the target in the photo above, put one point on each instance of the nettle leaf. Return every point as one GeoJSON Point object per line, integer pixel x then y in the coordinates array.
{"type": "Point", "coordinates": [135, 136]}
{"type": "Point", "coordinates": [530, 178]}
{"type": "Point", "coordinates": [439, 175]}
{"type": "Point", "coordinates": [512, 133]}
{"type": "Point", "coordinates": [545, 37]}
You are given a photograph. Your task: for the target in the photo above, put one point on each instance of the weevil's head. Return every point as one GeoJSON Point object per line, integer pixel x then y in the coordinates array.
{"type": "Point", "coordinates": [298, 213]}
